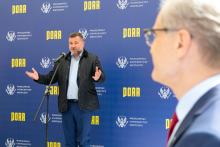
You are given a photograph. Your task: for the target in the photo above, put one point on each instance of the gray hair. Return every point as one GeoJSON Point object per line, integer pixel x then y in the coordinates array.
{"type": "Point", "coordinates": [201, 18]}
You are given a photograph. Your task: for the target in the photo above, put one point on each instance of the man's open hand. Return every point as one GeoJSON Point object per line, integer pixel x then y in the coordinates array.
{"type": "Point", "coordinates": [33, 75]}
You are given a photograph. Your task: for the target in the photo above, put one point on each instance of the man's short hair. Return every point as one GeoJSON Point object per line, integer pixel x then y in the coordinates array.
{"type": "Point", "coordinates": [201, 18]}
{"type": "Point", "coordinates": [75, 34]}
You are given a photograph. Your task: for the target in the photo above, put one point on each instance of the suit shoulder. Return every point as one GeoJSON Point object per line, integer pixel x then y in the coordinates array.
{"type": "Point", "coordinates": [200, 139]}
{"type": "Point", "coordinates": [208, 121]}
{"type": "Point", "coordinates": [204, 131]}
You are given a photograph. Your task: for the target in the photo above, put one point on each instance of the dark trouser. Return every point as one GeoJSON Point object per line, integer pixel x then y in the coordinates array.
{"type": "Point", "coordinates": [76, 126]}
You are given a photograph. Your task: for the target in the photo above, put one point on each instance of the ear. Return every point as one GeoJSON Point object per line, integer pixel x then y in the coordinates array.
{"type": "Point", "coordinates": [183, 43]}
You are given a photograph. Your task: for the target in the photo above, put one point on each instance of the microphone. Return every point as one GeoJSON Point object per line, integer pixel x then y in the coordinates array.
{"type": "Point", "coordinates": [61, 56]}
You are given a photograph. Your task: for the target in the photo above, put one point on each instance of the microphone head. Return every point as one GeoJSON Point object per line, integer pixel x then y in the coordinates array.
{"type": "Point", "coordinates": [63, 54]}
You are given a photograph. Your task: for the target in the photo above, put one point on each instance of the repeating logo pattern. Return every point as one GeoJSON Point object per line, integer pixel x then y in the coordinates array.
{"type": "Point", "coordinates": [83, 31]}
{"type": "Point", "coordinates": [122, 4]}
{"type": "Point", "coordinates": [10, 142]}
{"type": "Point", "coordinates": [122, 121]}
{"type": "Point", "coordinates": [45, 62]}
{"type": "Point", "coordinates": [122, 62]}
{"type": "Point", "coordinates": [91, 5]}
{"type": "Point", "coordinates": [46, 7]}
{"type": "Point", "coordinates": [53, 144]}
{"type": "Point", "coordinates": [95, 120]}
{"type": "Point", "coordinates": [164, 92]}
{"type": "Point", "coordinates": [168, 123]}
{"type": "Point", "coordinates": [96, 145]}
{"type": "Point", "coordinates": [18, 9]}
{"type": "Point", "coordinates": [18, 63]}
{"type": "Point", "coordinates": [17, 116]}
{"type": "Point", "coordinates": [100, 91]}
{"type": "Point", "coordinates": [11, 36]}
{"type": "Point", "coordinates": [131, 92]}
{"type": "Point", "coordinates": [10, 89]}
{"type": "Point", "coordinates": [43, 117]}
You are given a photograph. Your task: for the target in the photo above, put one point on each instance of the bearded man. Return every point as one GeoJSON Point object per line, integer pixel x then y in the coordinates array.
{"type": "Point", "coordinates": [78, 97]}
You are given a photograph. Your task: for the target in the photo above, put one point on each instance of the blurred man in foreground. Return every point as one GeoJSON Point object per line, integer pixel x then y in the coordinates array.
{"type": "Point", "coordinates": [185, 49]}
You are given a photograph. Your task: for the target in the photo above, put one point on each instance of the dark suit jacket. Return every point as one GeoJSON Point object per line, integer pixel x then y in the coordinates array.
{"type": "Point", "coordinates": [87, 95]}
{"type": "Point", "coordinates": [201, 127]}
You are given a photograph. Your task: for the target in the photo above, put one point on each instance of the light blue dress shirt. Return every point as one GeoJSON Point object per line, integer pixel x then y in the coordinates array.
{"type": "Point", "coordinates": [189, 99]}
{"type": "Point", "coordinates": [72, 92]}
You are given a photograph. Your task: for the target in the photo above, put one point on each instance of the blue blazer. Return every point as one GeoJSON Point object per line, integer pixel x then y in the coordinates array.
{"type": "Point", "coordinates": [201, 126]}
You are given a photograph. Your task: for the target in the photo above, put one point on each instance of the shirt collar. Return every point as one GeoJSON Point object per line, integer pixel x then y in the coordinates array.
{"type": "Point", "coordinates": [189, 99]}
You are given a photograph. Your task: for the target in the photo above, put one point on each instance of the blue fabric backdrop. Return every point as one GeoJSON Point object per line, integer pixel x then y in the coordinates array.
{"type": "Point", "coordinates": [135, 111]}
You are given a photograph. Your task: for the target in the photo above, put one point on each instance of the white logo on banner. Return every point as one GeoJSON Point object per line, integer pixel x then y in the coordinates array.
{"type": "Point", "coordinates": [45, 62]}
{"type": "Point", "coordinates": [46, 7]}
{"type": "Point", "coordinates": [11, 36]}
{"type": "Point", "coordinates": [164, 93]}
{"type": "Point", "coordinates": [122, 121]}
{"type": "Point", "coordinates": [122, 62]}
{"type": "Point", "coordinates": [10, 89]}
{"type": "Point", "coordinates": [122, 4]}
{"type": "Point", "coordinates": [43, 117]}
{"type": "Point", "coordinates": [10, 142]}
{"type": "Point", "coordinates": [84, 33]}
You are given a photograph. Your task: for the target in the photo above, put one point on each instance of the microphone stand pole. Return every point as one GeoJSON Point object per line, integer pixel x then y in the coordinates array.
{"type": "Point", "coordinates": [46, 93]}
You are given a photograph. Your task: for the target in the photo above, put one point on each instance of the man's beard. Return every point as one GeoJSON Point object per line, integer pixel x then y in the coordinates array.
{"type": "Point", "coordinates": [75, 53]}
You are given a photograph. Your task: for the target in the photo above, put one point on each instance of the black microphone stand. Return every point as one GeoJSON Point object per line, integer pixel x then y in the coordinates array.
{"type": "Point", "coordinates": [46, 93]}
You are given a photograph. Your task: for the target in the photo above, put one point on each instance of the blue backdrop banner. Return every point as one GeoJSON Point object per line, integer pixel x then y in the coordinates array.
{"type": "Point", "coordinates": [135, 110]}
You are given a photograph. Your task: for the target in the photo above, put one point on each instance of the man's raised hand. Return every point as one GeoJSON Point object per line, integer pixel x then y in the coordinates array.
{"type": "Point", "coordinates": [33, 75]}
{"type": "Point", "coordinates": [97, 74]}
